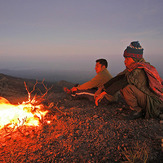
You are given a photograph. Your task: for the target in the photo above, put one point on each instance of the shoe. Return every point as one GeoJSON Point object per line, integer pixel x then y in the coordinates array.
{"type": "Point", "coordinates": [68, 91]}
{"type": "Point", "coordinates": [133, 115]}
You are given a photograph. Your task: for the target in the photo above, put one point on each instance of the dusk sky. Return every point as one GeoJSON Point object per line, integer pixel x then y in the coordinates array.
{"type": "Point", "coordinates": [72, 34]}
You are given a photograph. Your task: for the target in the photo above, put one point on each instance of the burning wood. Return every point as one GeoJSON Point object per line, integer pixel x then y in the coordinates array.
{"type": "Point", "coordinates": [28, 113]}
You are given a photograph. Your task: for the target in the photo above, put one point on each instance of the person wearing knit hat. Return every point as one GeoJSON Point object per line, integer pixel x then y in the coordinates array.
{"type": "Point", "coordinates": [140, 85]}
{"type": "Point", "coordinates": [134, 51]}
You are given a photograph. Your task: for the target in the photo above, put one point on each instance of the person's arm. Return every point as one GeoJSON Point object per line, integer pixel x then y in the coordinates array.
{"type": "Point", "coordinates": [91, 84]}
{"type": "Point", "coordinates": [98, 92]}
{"type": "Point", "coordinates": [99, 98]}
{"type": "Point", "coordinates": [74, 89]}
{"type": "Point", "coordinates": [111, 87]}
{"type": "Point", "coordinates": [115, 84]}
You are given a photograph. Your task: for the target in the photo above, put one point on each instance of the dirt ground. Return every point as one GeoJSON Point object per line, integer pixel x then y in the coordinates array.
{"type": "Point", "coordinates": [80, 132]}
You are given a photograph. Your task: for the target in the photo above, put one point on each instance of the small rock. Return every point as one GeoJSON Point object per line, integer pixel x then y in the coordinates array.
{"type": "Point", "coordinates": [95, 116]}
{"type": "Point", "coordinates": [87, 120]}
{"type": "Point", "coordinates": [3, 145]}
{"type": "Point", "coordinates": [79, 132]}
{"type": "Point", "coordinates": [125, 136]}
{"type": "Point", "coordinates": [61, 137]}
{"type": "Point", "coordinates": [61, 108]}
{"type": "Point", "coordinates": [161, 122]}
{"type": "Point", "coordinates": [119, 109]}
{"type": "Point", "coordinates": [56, 117]}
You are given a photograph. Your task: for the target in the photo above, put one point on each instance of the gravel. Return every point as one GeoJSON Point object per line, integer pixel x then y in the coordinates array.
{"type": "Point", "coordinates": [80, 132]}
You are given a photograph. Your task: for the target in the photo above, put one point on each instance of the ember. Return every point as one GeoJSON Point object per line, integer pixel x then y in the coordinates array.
{"type": "Point", "coordinates": [28, 113]}
{"type": "Point", "coordinates": [16, 115]}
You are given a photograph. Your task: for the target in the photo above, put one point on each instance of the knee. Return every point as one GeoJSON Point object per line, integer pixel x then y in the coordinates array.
{"type": "Point", "coordinates": [127, 90]}
{"type": "Point", "coordinates": [129, 87]}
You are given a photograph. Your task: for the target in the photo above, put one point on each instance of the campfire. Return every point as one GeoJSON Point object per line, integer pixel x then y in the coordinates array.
{"type": "Point", "coordinates": [29, 113]}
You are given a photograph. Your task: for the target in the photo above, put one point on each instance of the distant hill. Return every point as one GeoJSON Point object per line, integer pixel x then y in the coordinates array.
{"type": "Point", "coordinates": [51, 75]}
{"type": "Point", "coordinates": [14, 87]}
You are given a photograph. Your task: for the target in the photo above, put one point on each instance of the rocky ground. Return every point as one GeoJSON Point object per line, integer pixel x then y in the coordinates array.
{"type": "Point", "coordinates": [80, 132]}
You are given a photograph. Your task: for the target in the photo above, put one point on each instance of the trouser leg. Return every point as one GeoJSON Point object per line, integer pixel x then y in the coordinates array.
{"type": "Point", "coordinates": [135, 98]}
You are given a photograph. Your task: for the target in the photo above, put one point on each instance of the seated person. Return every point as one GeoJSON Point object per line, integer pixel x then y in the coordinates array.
{"type": "Point", "coordinates": [140, 85]}
{"type": "Point", "coordinates": [88, 89]}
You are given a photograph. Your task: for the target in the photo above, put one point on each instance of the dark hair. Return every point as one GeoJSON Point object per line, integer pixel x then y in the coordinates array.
{"type": "Point", "coordinates": [103, 62]}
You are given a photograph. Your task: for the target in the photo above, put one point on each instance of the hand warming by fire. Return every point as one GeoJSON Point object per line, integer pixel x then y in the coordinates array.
{"type": "Point", "coordinates": [29, 113]}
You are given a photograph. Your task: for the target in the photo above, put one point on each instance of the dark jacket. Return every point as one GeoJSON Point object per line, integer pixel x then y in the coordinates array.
{"type": "Point", "coordinates": [139, 78]}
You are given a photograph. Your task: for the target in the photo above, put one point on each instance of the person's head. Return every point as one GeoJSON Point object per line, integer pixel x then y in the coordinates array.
{"type": "Point", "coordinates": [133, 53]}
{"type": "Point", "coordinates": [101, 64]}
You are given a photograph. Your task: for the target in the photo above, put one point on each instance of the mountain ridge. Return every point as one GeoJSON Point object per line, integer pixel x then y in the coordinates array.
{"type": "Point", "coordinates": [11, 86]}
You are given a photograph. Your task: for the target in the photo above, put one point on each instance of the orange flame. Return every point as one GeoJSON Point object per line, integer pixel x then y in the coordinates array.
{"type": "Point", "coordinates": [20, 114]}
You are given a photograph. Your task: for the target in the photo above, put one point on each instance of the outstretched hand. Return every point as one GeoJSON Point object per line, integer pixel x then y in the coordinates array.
{"type": "Point", "coordinates": [99, 98]}
{"type": "Point", "coordinates": [73, 89]}
{"type": "Point", "coordinates": [69, 91]}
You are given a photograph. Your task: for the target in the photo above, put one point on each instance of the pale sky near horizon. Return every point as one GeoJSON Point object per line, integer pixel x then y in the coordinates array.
{"type": "Point", "coordinates": [72, 34]}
